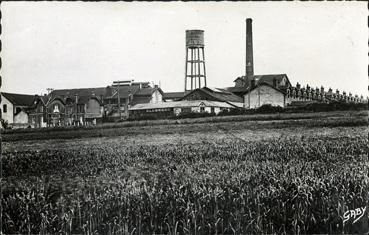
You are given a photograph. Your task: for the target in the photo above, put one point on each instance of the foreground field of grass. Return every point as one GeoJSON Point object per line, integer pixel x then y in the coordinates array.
{"type": "Point", "coordinates": [232, 178]}
{"type": "Point", "coordinates": [194, 125]}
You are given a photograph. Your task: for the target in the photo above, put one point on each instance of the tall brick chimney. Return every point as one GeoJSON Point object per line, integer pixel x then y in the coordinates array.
{"type": "Point", "coordinates": [249, 50]}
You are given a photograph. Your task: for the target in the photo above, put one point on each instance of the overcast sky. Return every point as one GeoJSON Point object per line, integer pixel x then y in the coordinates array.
{"type": "Point", "coordinates": [90, 44]}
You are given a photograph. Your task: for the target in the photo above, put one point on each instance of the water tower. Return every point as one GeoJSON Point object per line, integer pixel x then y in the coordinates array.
{"type": "Point", "coordinates": [195, 76]}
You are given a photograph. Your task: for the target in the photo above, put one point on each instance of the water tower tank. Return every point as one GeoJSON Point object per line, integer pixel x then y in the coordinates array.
{"type": "Point", "coordinates": [195, 38]}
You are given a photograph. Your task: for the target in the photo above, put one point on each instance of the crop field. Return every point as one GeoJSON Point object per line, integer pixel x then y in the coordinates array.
{"type": "Point", "coordinates": [231, 179]}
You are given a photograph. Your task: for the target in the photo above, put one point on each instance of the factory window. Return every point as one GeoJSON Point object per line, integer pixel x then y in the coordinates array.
{"type": "Point", "coordinates": [5, 108]}
{"type": "Point", "coordinates": [80, 108]}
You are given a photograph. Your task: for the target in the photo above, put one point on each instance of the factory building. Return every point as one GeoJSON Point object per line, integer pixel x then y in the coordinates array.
{"type": "Point", "coordinates": [200, 100]}
{"type": "Point", "coordinates": [214, 94]}
{"type": "Point", "coordinates": [258, 90]}
{"type": "Point", "coordinates": [262, 89]}
{"type": "Point", "coordinates": [88, 106]}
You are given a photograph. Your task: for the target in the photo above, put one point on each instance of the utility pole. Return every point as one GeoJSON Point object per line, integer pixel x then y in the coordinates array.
{"type": "Point", "coordinates": [118, 84]}
{"type": "Point", "coordinates": [119, 111]}
{"type": "Point", "coordinates": [49, 90]}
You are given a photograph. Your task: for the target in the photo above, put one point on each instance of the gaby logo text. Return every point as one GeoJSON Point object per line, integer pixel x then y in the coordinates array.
{"type": "Point", "coordinates": [355, 214]}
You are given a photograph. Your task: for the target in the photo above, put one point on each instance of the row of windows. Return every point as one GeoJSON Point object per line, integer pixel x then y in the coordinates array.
{"type": "Point", "coordinates": [158, 110]}
{"type": "Point", "coordinates": [5, 109]}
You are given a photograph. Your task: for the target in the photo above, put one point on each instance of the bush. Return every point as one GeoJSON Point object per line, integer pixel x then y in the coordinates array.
{"type": "Point", "coordinates": [5, 124]}
{"type": "Point", "coordinates": [236, 111]}
{"type": "Point", "coordinates": [267, 108]}
{"type": "Point", "coordinates": [193, 115]}
{"type": "Point", "coordinates": [332, 106]}
{"type": "Point", "coordinates": [143, 117]}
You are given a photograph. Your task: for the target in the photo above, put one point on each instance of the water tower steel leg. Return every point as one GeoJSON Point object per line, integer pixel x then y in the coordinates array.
{"type": "Point", "coordinates": [185, 85]}
{"type": "Point", "coordinates": [203, 63]}
{"type": "Point", "coordinates": [191, 69]}
{"type": "Point", "coordinates": [198, 66]}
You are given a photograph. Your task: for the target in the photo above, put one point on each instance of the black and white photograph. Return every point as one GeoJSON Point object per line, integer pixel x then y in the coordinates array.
{"type": "Point", "coordinates": [184, 117]}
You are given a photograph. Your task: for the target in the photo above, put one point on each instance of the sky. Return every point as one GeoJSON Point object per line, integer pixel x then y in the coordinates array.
{"type": "Point", "coordinates": [91, 44]}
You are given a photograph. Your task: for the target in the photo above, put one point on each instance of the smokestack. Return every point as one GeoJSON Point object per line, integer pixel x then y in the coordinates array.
{"type": "Point", "coordinates": [249, 52]}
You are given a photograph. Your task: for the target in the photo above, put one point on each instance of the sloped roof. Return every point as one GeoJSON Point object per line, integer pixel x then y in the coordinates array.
{"type": "Point", "coordinates": [19, 99]}
{"type": "Point", "coordinates": [84, 94]}
{"type": "Point", "coordinates": [43, 99]}
{"type": "Point", "coordinates": [97, 91]}
{"type": "Point", "coordinates": [267, 84]}
{"type": "Point", "coordinates": [174, 95]}
{"type": "Point", "coordinates": [124, 91]}
{"type": "Point", "coordinates": [147, 91]}
{"type": "Point", "coordinates": [261, 84]}
{"type": "Point", "coordinates": [181, 104]}
{"type": "Point", "coordinates": [236, 89]}
{"type": "Point", "coordinates": [109, 92]}
{"type": "Point", "coordinates": [268, 78]}
{"type": "Point", "coordinates": [218, 94]}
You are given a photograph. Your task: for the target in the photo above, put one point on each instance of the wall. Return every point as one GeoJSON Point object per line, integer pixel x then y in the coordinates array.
{"type": "Point", "coordinates": [56, 102]}
{"type": "Point", "coordinates": [264, 95]}
{"type": "Point", "coordinates": [93, 108]}
{"type": "Point", "coordinates": [156, 97]}
{"type": "Point", "coordinates": [21, 117]}
{"type": "Point", "coordinates": [9, 115]}
{"type": "Point", "coordinates": [36, 116]}
{"type": "Point", "coordinates": [56, 118]}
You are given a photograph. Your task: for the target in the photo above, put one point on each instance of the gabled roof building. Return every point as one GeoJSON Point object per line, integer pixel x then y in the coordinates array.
{"type": "Point", "coordinates": [14, 106]}
{"type": "Point", "coordinates": [89, 105]}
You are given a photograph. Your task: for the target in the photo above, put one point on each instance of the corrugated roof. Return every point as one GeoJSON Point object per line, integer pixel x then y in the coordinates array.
{"type": "Point", "coordinates": [180, 104]}
{"type": "Point", "coordinates": [19, 99]}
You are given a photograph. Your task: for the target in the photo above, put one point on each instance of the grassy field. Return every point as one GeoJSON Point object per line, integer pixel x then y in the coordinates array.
{"type": "Point", "coordinates": [255, 121]}
{"type": "Point", "coordinates": [247, 176]}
